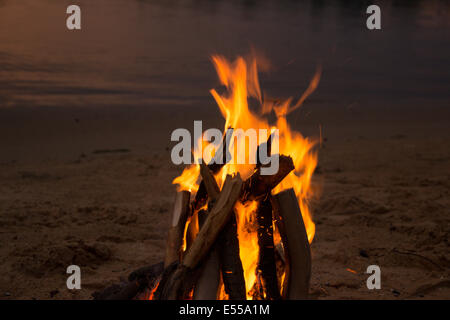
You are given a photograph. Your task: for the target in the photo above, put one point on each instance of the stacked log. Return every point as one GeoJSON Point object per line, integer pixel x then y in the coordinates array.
{"type": "Point", "coordinates": [211, 257]}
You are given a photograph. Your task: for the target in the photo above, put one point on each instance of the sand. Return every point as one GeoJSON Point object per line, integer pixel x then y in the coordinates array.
{"type": "Point", "coordinates": [93, 188]}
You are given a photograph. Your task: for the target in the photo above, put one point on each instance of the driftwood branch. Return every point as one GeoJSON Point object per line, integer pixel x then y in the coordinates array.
{"type": "Point", "coordinates": [202, 195]}
{"type": "Point", "coordinates": [210, 182]}
{"type": "Point", "coordinates": [295, 240]}
{"type": "Point", "coordinates": [231, 265]}
{"type": "Point", "coordinates": [227, 246]}
{"type": "Point", "coordinates": [191, 231]}
{"type": "Point", "coordinates": [208, 282]}
{"type": "Point", "coordinates": [209, 279]}
{"type": "Point", "coordinates": [267, 147]}
{"type": "Point", "coordinates": [214, 223]}
{"type": "Point", "coordinates": [280, 263]}
{"type": "Point", "coordinates": [258, 185]}
{"type": "Point", "coordinates": [266, 262]}
{"type": "Point", "coordinates": [176, 231]}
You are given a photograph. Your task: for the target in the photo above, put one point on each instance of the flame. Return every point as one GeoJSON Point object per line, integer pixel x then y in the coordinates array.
{"type": "Point", "coordinates": [351, 270]}
{"type": "Point", "coordinates": [248, 241]}
{"type": "Point", "coordinates": [152, 292]}
{"type": "Point", "coordinates": [240, 78]}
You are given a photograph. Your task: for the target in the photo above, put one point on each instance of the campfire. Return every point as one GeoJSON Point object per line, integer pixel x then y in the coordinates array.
{"type": "Point", "coordinates": [237, 233]}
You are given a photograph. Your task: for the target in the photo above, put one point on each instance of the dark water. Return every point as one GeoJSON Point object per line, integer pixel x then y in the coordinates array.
{"type": "Point", "coordinates": [146, 53]}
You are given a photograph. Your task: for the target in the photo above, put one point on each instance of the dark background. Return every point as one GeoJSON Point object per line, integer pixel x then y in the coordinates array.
{"type": "Point", "coordinates": [135, 60]}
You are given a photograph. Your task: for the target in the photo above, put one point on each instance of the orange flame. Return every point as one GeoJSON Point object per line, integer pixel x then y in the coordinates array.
{"type": "Point", "coordinates": [241, 81]}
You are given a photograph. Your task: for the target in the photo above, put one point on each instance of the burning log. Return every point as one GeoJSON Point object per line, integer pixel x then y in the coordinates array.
{"type": "Point", "coordinates": [215, 220]}
{"type": "Point", "coordinates": [266, 262]}
{"type": "Point", "coordinates": [280, 263]}
{"type": "Point", "coordinates": [202, 195]}
{"type": "Point", "coordinates": [172, 286]}
{"type": "Point", "coordinates": [231, 265]}
{"type": "Point", "coordinates": [191, 231]}
{"type": "Point", "coordinates": [257, 185]}
{"type": "Point", "coordinates": [227, 246]}
{"type": "Point", "coordinates": [267, 147]}
{"type": "Point", "coordinates": [209, 279]}
{"type": "Point", "coordinates": [209, 182]}
{"type": "Point", "coordinates": [295, 240]}
{"type": "Point", "coordinates": [176, 231]}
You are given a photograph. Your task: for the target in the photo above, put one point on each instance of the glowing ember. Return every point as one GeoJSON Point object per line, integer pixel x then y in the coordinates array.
{"type": "Point", "coordinates": [241, 81]}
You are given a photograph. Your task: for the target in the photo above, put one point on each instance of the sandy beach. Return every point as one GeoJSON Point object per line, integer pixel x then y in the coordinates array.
{"type": "Point", "coordinates": [98, 196]}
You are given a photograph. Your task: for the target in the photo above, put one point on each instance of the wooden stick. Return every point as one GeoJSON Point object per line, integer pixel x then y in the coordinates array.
{"type": "Point", "coordinates": [207, 286]}
{"type": "Point", "coordinates": [227, 246]}
{"type": "Point", "coordinates": [295, 240]}
{"type": "Point", "coordinates": [208, 283]}
{"type": "Point", "coordinates": [230, 260]}
{"type": "Point", "coordinates": [266, 262]}
{"type": "Point", "coordinates": [268, 145]}
{"type": "Point", "coordinates": [209, 280]}
{"type": "Point", "coordinates": [210, 182]}
{"type": "Point", "coordinates": [202, 195]}
{"type": "Point", "coordinates": [257, 185]}
{"type": "Point", "coordinates": [208, 234]}
{"type": "Point", "coordinates": [223, 151]}
{"type": "Point", "coordinates": [176, 231]}
{"type": "Point", "coordinates": [191, 231]}
{"type": "Point", "coordinates": [280, 263]}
